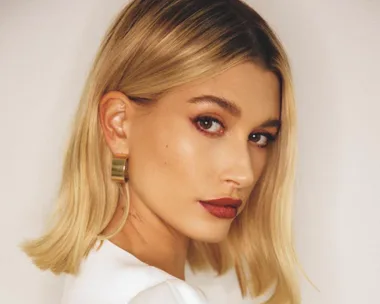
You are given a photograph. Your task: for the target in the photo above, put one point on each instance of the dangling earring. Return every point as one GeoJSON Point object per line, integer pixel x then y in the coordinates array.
{"type": "Point", "coordinates": [119, 173]}
{"type": "Point", "coordinates": [119, 168]}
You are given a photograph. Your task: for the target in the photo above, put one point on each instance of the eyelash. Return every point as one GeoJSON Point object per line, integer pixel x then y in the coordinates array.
{"type": "Point", "coordinates": [197, 120]}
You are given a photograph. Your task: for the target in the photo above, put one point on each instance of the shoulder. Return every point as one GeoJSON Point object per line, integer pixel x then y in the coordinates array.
{"type": "Point", "coordinates": [117, 285]}
{"type": "Point", "coordinates": [113, 276]}
{"type": "Point", "coordinates": [172, 291]}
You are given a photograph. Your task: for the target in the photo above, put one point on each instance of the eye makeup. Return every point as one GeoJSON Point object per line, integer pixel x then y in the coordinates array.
{"type": "Point", "coordinates": [214, 127]}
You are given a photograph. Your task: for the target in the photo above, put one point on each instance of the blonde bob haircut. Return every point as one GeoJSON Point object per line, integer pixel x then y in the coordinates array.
{"type": "Point", "coordinates": [152, 47]}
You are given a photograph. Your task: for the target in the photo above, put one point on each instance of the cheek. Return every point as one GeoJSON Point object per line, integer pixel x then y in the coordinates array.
{"type": "Point", "coordinates": [163, 157]}
{"type": "Point", "coordinates": [259, 162]}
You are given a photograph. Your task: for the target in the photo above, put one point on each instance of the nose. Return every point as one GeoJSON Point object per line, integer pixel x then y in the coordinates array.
{"type": "Point", "coordinates": [238, 167]}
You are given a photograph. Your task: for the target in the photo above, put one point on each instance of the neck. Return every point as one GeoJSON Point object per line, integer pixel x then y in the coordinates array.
{"type": "Point", "coordinates": [150, 240]}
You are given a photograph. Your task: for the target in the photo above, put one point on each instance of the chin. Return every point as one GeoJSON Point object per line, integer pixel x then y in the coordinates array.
{"type": "Point", "coordinates": [209, 233]}
{"type": "Point", "coordinates": [212, 239]}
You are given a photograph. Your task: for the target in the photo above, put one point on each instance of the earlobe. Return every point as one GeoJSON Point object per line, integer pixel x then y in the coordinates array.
{"type": "Point", "coordinates": [114, 121]}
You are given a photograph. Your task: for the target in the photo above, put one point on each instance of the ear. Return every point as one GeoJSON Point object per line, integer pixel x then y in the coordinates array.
{"type": "Point", "coordinates": [115, 113]}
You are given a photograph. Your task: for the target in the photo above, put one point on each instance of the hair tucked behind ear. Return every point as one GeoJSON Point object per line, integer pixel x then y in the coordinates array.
{"type": "Point", "coordinates": [152, 47]}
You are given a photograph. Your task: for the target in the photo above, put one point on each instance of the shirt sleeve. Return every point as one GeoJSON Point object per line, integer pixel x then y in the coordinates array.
{"type": "Point", "coordinates": [170, 292]}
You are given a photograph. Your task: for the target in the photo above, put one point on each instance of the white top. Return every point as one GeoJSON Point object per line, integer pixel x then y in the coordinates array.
{"type": "Point", "coordinates": [112, 275]}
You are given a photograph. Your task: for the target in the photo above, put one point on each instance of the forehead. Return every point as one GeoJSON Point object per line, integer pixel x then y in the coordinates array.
{"type": "Point", "coordinates": [253, 89]}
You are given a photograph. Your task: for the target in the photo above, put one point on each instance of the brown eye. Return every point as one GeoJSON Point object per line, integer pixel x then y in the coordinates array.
{"type": "Point", "coordinates": [209, 124]}
{"type": "Point", "coordinates": [262, 139]}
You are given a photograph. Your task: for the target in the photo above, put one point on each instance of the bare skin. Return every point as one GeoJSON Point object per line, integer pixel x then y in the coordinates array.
{"type": "Point", "coordinates": [185, 149]}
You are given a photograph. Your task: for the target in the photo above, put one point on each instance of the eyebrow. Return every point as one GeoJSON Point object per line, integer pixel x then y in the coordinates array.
{"type": "Point", "coordinates": [227, 105]}
{"type": "Point", "coordinates": [232, 108]}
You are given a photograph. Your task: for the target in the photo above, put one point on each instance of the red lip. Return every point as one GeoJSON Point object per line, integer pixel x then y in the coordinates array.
{"type": "Point", "coordinates": [224, 208]}
{"type": "Point", "coordinates": [224, 201]}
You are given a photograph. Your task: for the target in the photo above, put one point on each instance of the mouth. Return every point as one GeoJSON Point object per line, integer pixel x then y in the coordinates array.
{"type": "Point", "coordinates": [224, 208]}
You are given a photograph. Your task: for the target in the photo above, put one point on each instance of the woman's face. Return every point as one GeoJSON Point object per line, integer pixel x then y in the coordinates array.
{"type": "Point", "coordinates": [203, 141]}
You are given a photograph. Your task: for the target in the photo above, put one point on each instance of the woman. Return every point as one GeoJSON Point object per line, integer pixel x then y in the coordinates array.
{"type": "Point", "coordinates": [182, 150]}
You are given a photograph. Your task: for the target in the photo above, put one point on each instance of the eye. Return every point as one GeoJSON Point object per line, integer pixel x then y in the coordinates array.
{"type": "Point", "coordinates": [209, 124]}
{"type": "Point", "coordinates": [262, 139]}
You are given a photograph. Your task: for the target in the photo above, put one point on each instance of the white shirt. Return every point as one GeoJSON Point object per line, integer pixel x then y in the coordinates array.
{"type": "Point", "coordinates": [112, 275]}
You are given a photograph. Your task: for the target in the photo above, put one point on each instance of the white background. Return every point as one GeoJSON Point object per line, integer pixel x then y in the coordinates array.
{"type": "Point", "coordinates": [46, 48]}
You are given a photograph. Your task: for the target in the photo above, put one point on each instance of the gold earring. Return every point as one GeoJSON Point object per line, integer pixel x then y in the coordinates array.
{"type": "Point", "coordinates": [119, 168]}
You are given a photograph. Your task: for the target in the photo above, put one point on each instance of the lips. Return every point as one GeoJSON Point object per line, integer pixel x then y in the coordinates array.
{"type": "Point", "coordinates": [225, 208]}
{"type": "Point", "coordinates": [226, 201]}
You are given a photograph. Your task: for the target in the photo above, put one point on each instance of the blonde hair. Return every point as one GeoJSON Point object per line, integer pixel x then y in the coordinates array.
{"type": "Point", "coordinates": [152, 47]}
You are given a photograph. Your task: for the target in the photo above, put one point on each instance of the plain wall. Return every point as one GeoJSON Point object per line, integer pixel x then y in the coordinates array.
{"type": "Point", "coordinates": [46, 48]}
